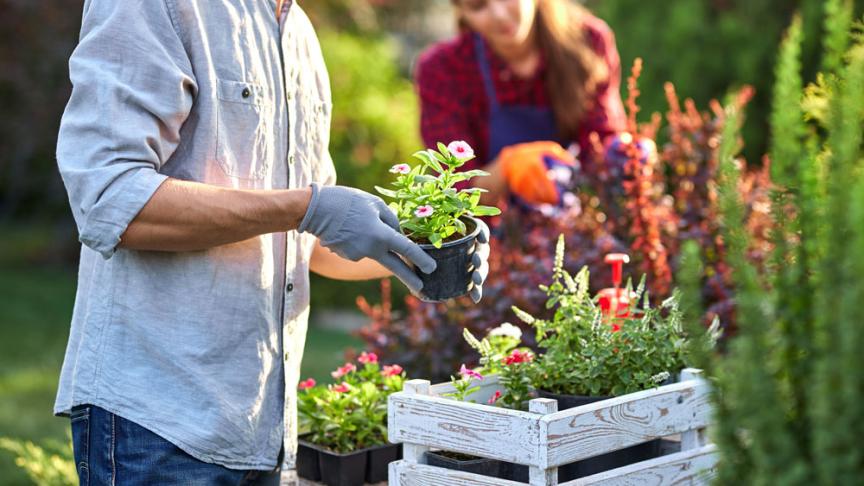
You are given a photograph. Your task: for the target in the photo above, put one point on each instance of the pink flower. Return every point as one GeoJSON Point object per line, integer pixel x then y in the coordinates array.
{"type": "Point", "coordinates": [343, 388]}
{"type": "Point", "coordinates": [368, 358]}
{"type": "Point", "coordinates": [391, 370]}
{"type": "Point", "coordinates": [400, 169]}
{"type": "Point", "coordinates": [306, 384]}
{"type": "Point", "coordinates": [423, 211]}
{"type": "Point", "coordinates": [517, 357]}
{"type": "Point", "coordinates": [469, 373]}
{"type": "Point", "coordinates": [460, 149]}
{"type": "Point", "coordinates": [344, 370]}
{"type": "Point", "coordinates": [495, 397]}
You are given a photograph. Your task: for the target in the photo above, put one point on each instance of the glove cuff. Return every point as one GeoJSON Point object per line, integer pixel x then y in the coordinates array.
{"type": "Point", "coordinates": [310, 211]}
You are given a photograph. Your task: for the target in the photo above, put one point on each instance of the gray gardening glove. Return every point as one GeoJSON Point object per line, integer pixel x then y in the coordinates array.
{"type": "Point", "coordinates": [355, 225]}
{"type": "Point", "coordinates": [481, 266]}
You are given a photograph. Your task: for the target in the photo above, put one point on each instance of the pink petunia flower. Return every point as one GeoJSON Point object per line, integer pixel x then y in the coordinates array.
{"type": "Point", "coordinates": [495, 397]}
{"type": "Point", "coordinates": [460, 149]}
{"type": "Point", "coordinates": [343, 370]}
{"type": "Point", "coordinates": [469, 373]}
{"type": "Point", "coordinates": [368, 358]}
{"type": "Point", "coordinates": [423, 211]}
{"type": "Point", "coordinates": [306, 384]}
{"type": "Point", "coordinates": [391, 370]}
{"type": "Point", "coordinates": [400, 169]}
{"type": "Point", "coordinates": [342, 388]}
{"type": "Point", "coordinates": [517, 357]}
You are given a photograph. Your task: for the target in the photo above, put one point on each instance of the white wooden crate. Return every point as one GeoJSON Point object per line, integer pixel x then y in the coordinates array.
{"type": "Point", "coordinates": [544, 438]}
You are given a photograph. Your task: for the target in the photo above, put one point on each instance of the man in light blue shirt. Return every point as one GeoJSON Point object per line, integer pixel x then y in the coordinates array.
{"type": "Point", "coordinates": [194, 149]}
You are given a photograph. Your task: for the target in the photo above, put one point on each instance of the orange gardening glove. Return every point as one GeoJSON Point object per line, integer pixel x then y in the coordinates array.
{"type": "Point", "coordinates": [526, 168]}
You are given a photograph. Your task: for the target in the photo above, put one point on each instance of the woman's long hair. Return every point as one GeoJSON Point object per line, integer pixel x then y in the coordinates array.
{"type": "Point", "coordinates": [574, 70]}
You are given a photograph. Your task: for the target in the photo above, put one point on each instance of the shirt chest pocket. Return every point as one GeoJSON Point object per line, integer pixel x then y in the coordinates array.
{"type": "Point", "coordinates": [244, 145]}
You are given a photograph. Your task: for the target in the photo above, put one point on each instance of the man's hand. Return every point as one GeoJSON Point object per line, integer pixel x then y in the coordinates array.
{"type": "Point", "coordinates": [481, 265]}
{"type": "Point", "coordinates": [355, 225]}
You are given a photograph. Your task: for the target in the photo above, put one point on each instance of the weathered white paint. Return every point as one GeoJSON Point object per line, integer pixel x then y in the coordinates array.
{"type": "Point", "coordinates": [694, 467]}
{"type": "Point", "coordinates": [693, 439]}
{"type": "Point", "coordinates": [468, 428]}
{"type": "Point", "coordinates": [613, 424]}
{"type": "Point", "coordinates": [403, 473]}
{"type": "Point", "coordinates": [538, 476]}
{"type": "Point", "coordinates": [411, 452]}
{"type": "Point", "coordinates": [544, 439]}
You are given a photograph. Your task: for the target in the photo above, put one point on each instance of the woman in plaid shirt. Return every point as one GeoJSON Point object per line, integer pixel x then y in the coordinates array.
{"type": "Point", "coordinates": [522, 80]}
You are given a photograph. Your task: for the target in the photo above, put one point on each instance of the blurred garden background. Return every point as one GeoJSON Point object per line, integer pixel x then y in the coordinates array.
{"type": "Point", "coordinates": [705, 47]}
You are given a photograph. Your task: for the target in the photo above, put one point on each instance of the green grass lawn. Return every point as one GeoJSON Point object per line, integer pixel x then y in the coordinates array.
{"type": "Point", "coordinates": [35, 309]}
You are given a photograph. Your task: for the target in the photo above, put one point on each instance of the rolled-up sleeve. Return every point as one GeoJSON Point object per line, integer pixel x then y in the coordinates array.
{"type": "Point", "coordinates": [133, 89]}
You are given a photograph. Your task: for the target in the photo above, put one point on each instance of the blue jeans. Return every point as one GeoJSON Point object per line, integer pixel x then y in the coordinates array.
{"type": "Point", "coordinates": [110, 450]}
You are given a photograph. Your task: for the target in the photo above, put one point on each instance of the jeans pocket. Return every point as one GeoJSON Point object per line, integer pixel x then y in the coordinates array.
{"type": "Point", "coordinates": [80, 423]}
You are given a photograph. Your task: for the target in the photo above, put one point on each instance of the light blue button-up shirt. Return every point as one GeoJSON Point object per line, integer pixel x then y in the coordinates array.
{"type": "Point", "coordinates": [202, 348]}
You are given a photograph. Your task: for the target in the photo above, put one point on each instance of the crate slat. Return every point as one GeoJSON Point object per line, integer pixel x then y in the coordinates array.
{"type": "Point", "coordinates": [468, 428]}
{"type": "Point", "coordinates": [403, 473]}
{"type": "Point", "coordinates": [620, 422]}
{"type": "Point", "coordinates": [694, 467]}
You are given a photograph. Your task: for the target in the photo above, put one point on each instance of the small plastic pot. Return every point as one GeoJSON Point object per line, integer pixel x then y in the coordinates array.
{"type": "Point", "coordinates": [476, 465]}
{"type": "Point", "coordinates": [307, 460]}
{"type": "Point", "coordinates": [452, 277]}
{"type": "Point", "coordinates": [343, 469]}
{"type": "Point", "coordinates": [379, 461]}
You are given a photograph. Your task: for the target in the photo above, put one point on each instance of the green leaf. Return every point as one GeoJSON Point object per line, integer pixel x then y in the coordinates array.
{"type": "Point", "coordinates": [386, 192]}
{"type": "Point", "coordinates": [460, 226]}
{"type": "Point", "coordinates": [486, 211]}
{"type": "Point", "coordinates": [429, 160]}
{"type": "Point", "coordinates": [444, 150]}
{"type": "Point", "coordinates": [435, 239]}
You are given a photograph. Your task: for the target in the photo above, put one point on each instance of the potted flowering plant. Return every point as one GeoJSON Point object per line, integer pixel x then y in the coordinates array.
{"type": "Point", "coordinates": [591, 353]}
{"type": "Point", "coordinates": [437, 215]}
{"type": "Point", "coordinates": [347, 423]}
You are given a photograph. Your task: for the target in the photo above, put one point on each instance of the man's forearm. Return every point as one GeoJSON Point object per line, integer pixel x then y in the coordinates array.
{"type": "Point", "coordinates": [328, 264]}
{"type": "Point", "coordinates": [189, 216]}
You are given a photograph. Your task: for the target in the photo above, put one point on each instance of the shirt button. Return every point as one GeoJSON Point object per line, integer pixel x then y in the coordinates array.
{"type": "Point", "coordinates": [291, 159]}
{"type": "Point", "coordinates": [289, 287]}
{"type": "Point", "coordinates": [286, 356]}
{"type": "Point", "coordinates": [246, 92]}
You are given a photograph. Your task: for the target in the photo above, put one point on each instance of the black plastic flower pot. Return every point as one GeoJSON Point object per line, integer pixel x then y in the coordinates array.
{"type": "Point", "coordinates": [307, 460]}
{"type": "Point", "coordinates": [461, 462]}
{"type": "Point", "coordinates": [452, 277]}
{"type": "Point", "coordinates": [343, 469]}
{"type": "Point", "coordinates": [379, 461]}
{"type": "Point", "coordinates": [604, 462]}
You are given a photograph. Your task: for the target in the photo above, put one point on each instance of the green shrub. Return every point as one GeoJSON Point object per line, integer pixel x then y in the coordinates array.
{"type": "Point", "coordinates": [789, 393]}
{"type": "Point", "coordinates": [48, 465]}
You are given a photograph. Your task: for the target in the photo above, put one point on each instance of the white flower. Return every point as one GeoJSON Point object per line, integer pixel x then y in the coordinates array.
{"type": "Point", "coordinates": [423, 211]}
{"type": "Point", "coordinates": [660, 377]}
{"type": "Point", "coordinates": [460, 149]}
{"type": "Point", "coordinates": [400, 169]}
{"type": "Point", "coordinates": [508, 330]}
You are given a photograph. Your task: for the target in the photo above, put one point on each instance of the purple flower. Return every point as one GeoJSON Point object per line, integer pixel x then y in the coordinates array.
{"type": "Point", "coordinates": [460, 149]}
{"type": "Point", "coordinates": [400, 169]}
{"type": "Point", "coordinates": [469, 373]}
{"type": "Point", "coordinates": [423, 211]}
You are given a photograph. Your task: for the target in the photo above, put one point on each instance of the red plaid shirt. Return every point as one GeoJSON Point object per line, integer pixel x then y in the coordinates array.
{"type": "Point", "coordinates": [454, 105]}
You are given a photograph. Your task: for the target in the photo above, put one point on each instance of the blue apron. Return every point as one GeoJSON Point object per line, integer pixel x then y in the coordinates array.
{"type": "Point", "coordinates": [512, 124]}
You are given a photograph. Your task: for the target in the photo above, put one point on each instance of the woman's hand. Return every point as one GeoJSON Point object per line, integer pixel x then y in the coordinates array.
{"type": "Point", "coordinates": [526, 168]}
